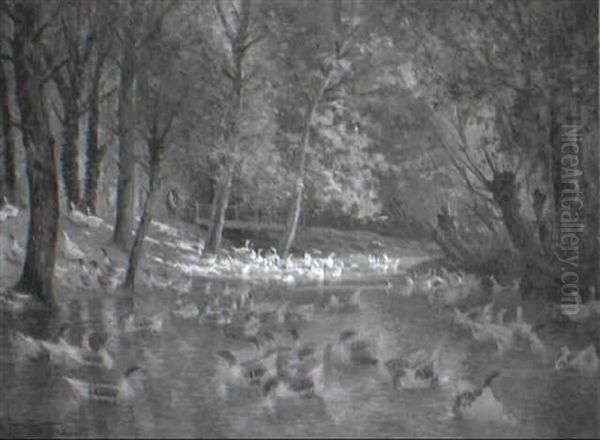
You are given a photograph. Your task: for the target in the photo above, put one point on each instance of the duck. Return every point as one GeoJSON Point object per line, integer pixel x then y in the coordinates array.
{"type": "Point", "coordinates": [462, 319]}
{"type": "Point", "coordinates": [339, 304]}
{"type": "Point", "coordinates": [70, 250]}
{"type": "Point", "coordinates": [185, 287]}
{"type": "Point", "coordinates": [120, 392]}
{"type": "Point", "coordinates": [109, 280]}
{"type": "Point", "coordinates": [28, 346]}
{"type": "Point", "coordinates": [37, 349]}
{"type": "Point", "coordinates": [249, 326]}
{"type": "Point", "coordinates": [292, 386]}
{"type": "Point", "coordinates": [478, 403]}
{"type": "Point", "coordinates": [94, 352]}
{"type": "Point", "coordinates": [9, 209]}
{"type": "Point", "coordinates": [410, 288]}
{"type": "Point", "coordinates": [593, 303]}
{"type": "Point", "coordinates": [490, 332]}
{"type": "Point", "coordinates": [350, 350]}
{"type": "Point", "coordinates": [83, 219]}
{"type": "Point", "coordinates": [304, 355]}
{"type": "Point", "coordinates": [301, 313]}
{"type": "Point", "coordinates": [15, 251]}
{"type": "Point", "coordinates": [273, 316]}
{"type": "Point", "coordinates": [187, 311]}
{"type": "Point", "coordinates": [419, 370]}
{"type": "Point", "coordinates": [61, 351]}
{"type": "Point", "coordinates": [154, 282]}
{"type": "Point", "coordinates": [218, 317]}
{"type": "Point", "coordinates": [584, 361]}
{"type": "Point", "coordinates": [249, 372]}
{"type": "Point", "coordinates": [85, 276]}
{"type": "Point", "coordinates": [152, 324]}
{"type": "Point", "coordinates": [524, 330]}
{"type": "Point", "coordinates": [12, 301]}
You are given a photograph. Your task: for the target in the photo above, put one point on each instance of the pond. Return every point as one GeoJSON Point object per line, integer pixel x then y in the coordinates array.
{"type": "Point", "coordinates": [179, 391]}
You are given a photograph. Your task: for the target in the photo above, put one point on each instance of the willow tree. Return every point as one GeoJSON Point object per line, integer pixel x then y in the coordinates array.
{"type": "Point", "coordinates": [519, 73]}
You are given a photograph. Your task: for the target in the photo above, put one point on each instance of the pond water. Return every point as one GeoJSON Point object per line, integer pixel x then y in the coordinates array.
{"type": "Point", "coordinates": [179, 393]}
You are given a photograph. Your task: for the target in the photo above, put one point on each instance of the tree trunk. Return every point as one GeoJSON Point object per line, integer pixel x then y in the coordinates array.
{"type": "Point", "coordinates": [292, 220]}
{"type": "Point", "coordinates": [94, 154]}
{"type": "Point", "coordinates": [10, 175]}
{"type": "Point", "coordinates": [140, 235]}
{"type": "Point", "coordinates": [296, 202]}
{"type": "Point", "coordinates": [36, 278]}
{"type": "Point", "coordinates": [219, 210]}
{"type": "Point", "coordinates": [69, 153]}
{"type": "Point", "coordinates": [156, 150]}
{"type": "Point", "coordinates": [505, 191]}
{"type": "Point", "coordinates": [126, 180]}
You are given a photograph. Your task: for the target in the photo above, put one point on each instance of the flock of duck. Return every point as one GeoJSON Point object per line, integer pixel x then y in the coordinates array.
{"type": "Point", "coordinates": [268, 351]}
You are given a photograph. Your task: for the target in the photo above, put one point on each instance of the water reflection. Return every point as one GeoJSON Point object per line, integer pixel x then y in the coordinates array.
{"type": "Point", "coordinates": [180, 393]}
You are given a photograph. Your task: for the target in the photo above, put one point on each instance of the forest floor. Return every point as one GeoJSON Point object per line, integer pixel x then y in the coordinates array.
{"type": "Point", "coordinates": [172, 251]}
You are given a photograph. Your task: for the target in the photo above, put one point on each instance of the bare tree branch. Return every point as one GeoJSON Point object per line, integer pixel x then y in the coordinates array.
{"type": "Point", "coordinates": [229, 32]}
{"type": "Point", "coordinates": [40, 31]}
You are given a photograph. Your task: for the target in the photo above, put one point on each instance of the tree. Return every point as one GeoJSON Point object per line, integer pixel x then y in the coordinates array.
{"type": "Point", "coordinates": [35, 63]}
{"type": "Point", "coordinates": [136, 28]}
{"type": "Point", "coordinates": [506, 71]}
{"type": "Point", "coordinates": [94, 152]}
{"type": "Point", "coordinates": [236, 24]}
{"type": "Point", "coordinates": [8, 177]}
{"type": "Point", "coordinates": [77, 35]}
{"type": "Point", "coordinates": [313, 43]}
{"type": "Point", "coordinates": [125, 115]}
{"type": "Point", "coordinates": [163, 90]}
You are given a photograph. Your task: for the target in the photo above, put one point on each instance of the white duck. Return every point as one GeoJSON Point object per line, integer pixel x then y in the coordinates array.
{"type": "Point", "coordinates": [13, 301]}
{"type": "Point", "coordinates": [152, 324]}
{"type": "Point", "coordinates": [187, 311]}
{"type": "Point", "coordinates": [8, 210]}
{"type": "Point", "coordinates": [15, 252]}
{"type": "Point", "coordinates": [585, 361]}
{"type": "Point", "coordinates": [83, 219]}
{"type": "Point", "coordinates": [70, 250]}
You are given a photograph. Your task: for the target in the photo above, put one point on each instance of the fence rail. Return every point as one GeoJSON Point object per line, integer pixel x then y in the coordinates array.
{"type": "Point", "coordinates": [202, 218]}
